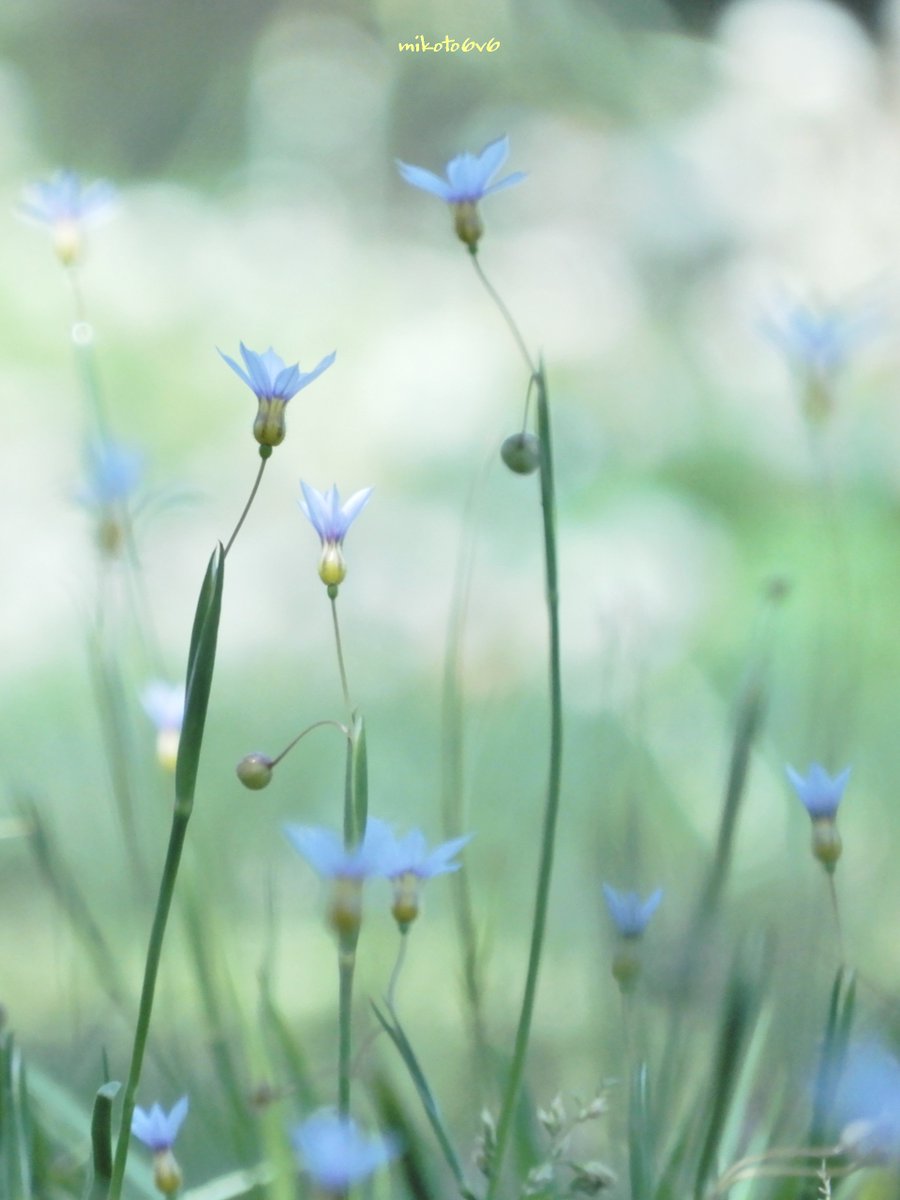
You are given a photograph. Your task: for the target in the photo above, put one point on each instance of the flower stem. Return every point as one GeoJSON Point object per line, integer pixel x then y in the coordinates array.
{"type": "Point", "coordinates": [395, 974]}
{"type": "Point", "coordinates": [505, 313]}
{"type": "Point", "coordinates": [551, 811]}
{"type": "Point", "coordinates": [264, 455]}
{"type": "Point", "coordinates": [346, 969]}
{"type": "Point", "coordinates": [300, 736]}
{"type": "Point", "coordinates": [340, 654]}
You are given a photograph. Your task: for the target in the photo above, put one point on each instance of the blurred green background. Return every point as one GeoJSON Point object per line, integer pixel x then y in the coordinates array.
{"type": "Point", "coordinates": [678, 190]}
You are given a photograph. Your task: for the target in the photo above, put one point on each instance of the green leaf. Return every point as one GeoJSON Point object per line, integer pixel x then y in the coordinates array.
{"type": "Point", "coordinates": [201, 661]}
{"type": "Point", "coordinates": [101, 1139]}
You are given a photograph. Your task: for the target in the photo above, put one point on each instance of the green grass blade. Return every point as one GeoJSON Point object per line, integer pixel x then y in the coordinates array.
{"type": "Point", "coordinates": [201, 662]}
{"type": "Point", "coordinates": [15, 1124]}
{"type": "Point", "coordinates": [101, 1140]}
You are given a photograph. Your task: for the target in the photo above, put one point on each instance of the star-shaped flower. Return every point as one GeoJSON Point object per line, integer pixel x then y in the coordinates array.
{"type": "Point", "coordinates": [336, 1154]}
{"type": "Point", "coordinates": [630, 915]}
{"type": "Point", "coordinates": [67, 206]}
{"type": "Point", "coordinates": [273, 383]}
{"type": "Point", "coordinates": [331, 521]}
{"type": "Point", "coordinates": [346, 867]}
{"type": "Point", "coordinates": [468, 181]}
{"type": "Point", "coordinates": [819, 792]}
{"type": "Point", "coordinates": [407, 862]}
{"type": "Point", "coordinates": [155, 1128]}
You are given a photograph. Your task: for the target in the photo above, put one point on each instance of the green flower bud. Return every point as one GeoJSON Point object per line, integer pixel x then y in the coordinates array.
{"type": "Point", "coordinates": [826, 842]}
{"type": "Point", "coordinates": [522, 453]}
{"type": "Point", "coordinates": [269, 428]}
{"type": "Point", "coordinates": [467, 223]}
{"type": "Point", "coordinates": [255, 771]}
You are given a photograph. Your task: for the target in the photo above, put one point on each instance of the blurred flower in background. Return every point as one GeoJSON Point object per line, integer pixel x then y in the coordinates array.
{"type": "Point", "coordinates": [164, 705]}
{"type": "Point", "coordinates": [113, 473]}
{"type": "Point", "coordinates": [67, 206]}
{"type": "Point", "coordinates": [337, 1154]}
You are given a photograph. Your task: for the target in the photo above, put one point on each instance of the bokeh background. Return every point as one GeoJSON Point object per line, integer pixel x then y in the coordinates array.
{"type": "Point", "coordinates": [690, 173]}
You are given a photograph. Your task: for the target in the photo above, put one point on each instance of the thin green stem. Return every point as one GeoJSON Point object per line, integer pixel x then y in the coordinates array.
{"type": "Point", "coordinates": [340, 652]}
{"type": "Point", "coordinates": [505, 313]}
{"type": "Point", "coordinates": [551, 811]}
{"type": "Point", "coordinates": [835, 908]}
{"type": "Point", "coordinates": [300, 736]}
{"type": "Point", "coordinates": [265, 453]}
{"type": "Point", "coordinates": [151, 969]}
{"type": "Point", "coordinates": [395, 973]}
{"type": "Point", "coordinates": [346, 970]}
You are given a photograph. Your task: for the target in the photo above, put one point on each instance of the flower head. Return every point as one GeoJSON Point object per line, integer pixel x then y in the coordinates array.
{"type": "Point", "coordinates": [273, 383]}
{"type": "Point", "coordinates": [67, 206]}
{"type": "Point", "coordinates": [819, 792]}
{"type": "Point", "coordinates": [112, 473]}
{"type": "Point", "coordinates": [407, 861]}
{"type": "Point", "coordinates": [164, 705]}
{"type": "Point", "coordinates": [156, 1129]}
{"type": "Point", "coordinates": [630, 914]}
{"type": "Point", "coordinates": [336, 1154]}
{"type": "Point", "coordinates": [468, 181]}
{"type": "Point", "coordinates": [326, 853]}
{"type": "Point", "coordinates": [868, 1103]}
{"type": "Point", "coordinates": [331, 520]}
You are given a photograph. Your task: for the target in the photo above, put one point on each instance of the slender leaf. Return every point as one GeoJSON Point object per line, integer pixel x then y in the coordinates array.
{"type": "Point", "coordinates": [201, 661]}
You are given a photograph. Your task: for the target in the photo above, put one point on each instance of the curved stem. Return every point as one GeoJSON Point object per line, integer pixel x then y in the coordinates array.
{"type": "Point", "coordinates": [264, 458]}
{"type": "Point", "coordinates": [505, 313]}
{"type": "Point", "coordinates": [395, 974]}
{"type": "Point", "coordinates": [551, 811]}
{"type": "Point", "coordinates": [300, 736]}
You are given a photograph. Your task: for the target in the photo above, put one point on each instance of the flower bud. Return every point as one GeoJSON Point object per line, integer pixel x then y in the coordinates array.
{"type": "Point", "coordinates": [626, 965]}
{"type": "Point", "coordinates": [405, 908]}
{"type": "Point", "coordinates": [522, 453]}
{"type": "Point", "coordinates": [269, 428]}
{"type": "Point", "coordinates": [467, 223]}
{"type": "Point", "coordinates": [255, 771]}
{"type": "Point", "coordinates": [166, 1172]}
{"type": "Point", "coordinates": [345, 912]}
{"type": "Point", "coordinates": [826, 842]}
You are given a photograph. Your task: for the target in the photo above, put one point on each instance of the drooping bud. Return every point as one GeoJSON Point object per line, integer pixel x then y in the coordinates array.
{"type": "Point", "coordinates": [522, 453]}
{"type": "Point", "coordinates": [255, 771]}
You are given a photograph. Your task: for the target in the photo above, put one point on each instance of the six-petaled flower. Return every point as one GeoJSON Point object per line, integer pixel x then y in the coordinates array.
{"type": "Point", "coordinates": [468, 181]}
{"type": "Point", "coordinates": [336, 1153]}
{"type": "Point", "coordinates": [164, 705]}
{"type": "Point", "coordinates": [630, 914]}
{"type": "Point", "coordinates": [273, 383]}
{"type": "Point", "coordinates": [407, 862]}
{"type": "Point", "coordinates": [821, 794]}
{"type": "Point", "coordinates": [67, 206]}
{"type": "Point", "coordinates": [158, 1131]}
{"type": "Point", "coordinates": [346, 866]}
{"type": "Point", "coordinates": [331, 520]}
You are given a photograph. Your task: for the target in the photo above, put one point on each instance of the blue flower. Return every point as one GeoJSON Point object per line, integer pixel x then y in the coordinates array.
{"type": "Point", "coordinates": [331, 520]}
{"type": "Point", "coordinates": [820, 793]}
{"type": "Point", "coordinates": [164, 705]}
{"type": "Point", "coordinates": [819, 340]}
{"type": "Point", "coordinates": [468, 181]}
{"type": "Point", "coordinates": [273, 384]}
{"type": "Point", "coordinates": [326, 853]}
{"type": "Point", "coordinates": [157, 1130]}
{"type": "Point", "coordinates": [113, 473]}
{"type": "Point", "coordinates": [336, 1153]}
{"type": "Point", "coordinates": [629, 913]}
{"type": "Point", "coordinates": [407, 861]}
{"type": "Point", "coordinates": [65, 205]}
{"type": "Point", "coordinates": [868, 1103]}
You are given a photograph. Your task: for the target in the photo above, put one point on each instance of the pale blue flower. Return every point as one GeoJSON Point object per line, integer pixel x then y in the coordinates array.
{"type": "Point", "coordinates": [331, 520]}
{"type": "Point", "coordinates": [157, 1130]}
{"type": "Point", "coordinates": [468, 175]}
{"type": "Point", "coordinates": [67, 206]}
{"type": "Point", "coordinates": [820, 793]}
{"type": "Point", "coordinates": [326, 853]}
{"type": "Point", "coordinates": [336, 1154]}
{"type": "Point", "coordinates": [410, 855]}
{"type": "Point", "coordinates": [629, 913]}
{"type": "Point", "coordinates": [164, 704]}
{"type": "Point", "coordinates": [868, 1102]}
{"type": "Point", "coordinates": [819, 340]}
{"type": "Point", "coordinates": [268, 377]}
{"type": "Point", "coordinates": [113, 473]}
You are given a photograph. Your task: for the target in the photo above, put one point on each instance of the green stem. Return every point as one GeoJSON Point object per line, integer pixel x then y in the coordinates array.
{"type": "Point", "coordinates": [332, 595]}
{"type": "Point", "coordinates": [265, 453]}
{"type": "Point", "coordinates": [395, 974]}
{"type": "Point", "coordinates": [346, 969]}
{"type": "Point", "coordinates": [151, 969]}
{"type": "Point", "coordinates": [545, 870]}
{"type": "Point", "coordinates": [300, 736]}
{"type": "Point", "coordinates": [506, 314]}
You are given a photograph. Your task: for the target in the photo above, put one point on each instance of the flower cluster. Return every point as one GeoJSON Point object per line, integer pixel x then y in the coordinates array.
{"type": "Point", "coordinates": [406, 862]}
